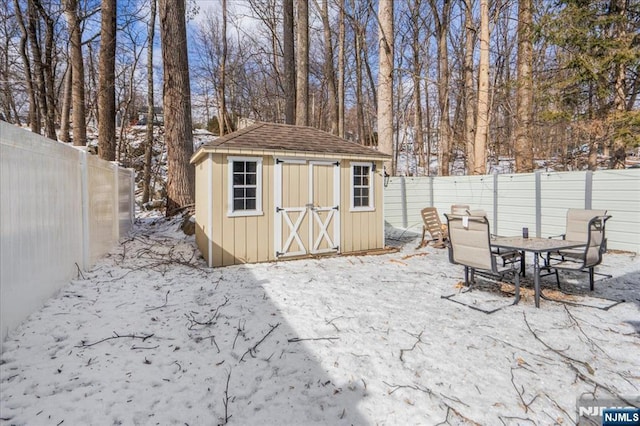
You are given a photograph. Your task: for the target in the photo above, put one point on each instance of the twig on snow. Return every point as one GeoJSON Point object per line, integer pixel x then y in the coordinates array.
{"type": "Point", "coordinates": [251, 351]}
{"type": "Point", "coordinates": [520, 393]}
{"type": "Point", "coordinates": [226, 399]}
{"type": "Point", "coordinates": [166, 300]}
{"type": "Point", "coordinates": [414, 387]}
{"type": "Point", "coordinates": [115, 336]}
{"type": "Point", "coordinates": [193, 322]}
{"type": "Point", "coordinates": [300, 339]}
{"type": "Point", "coordinates": [418, 340]}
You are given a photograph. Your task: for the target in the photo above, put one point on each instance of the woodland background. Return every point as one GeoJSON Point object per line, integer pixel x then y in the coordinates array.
{"type": "Point", "coordinates": [548, 83]}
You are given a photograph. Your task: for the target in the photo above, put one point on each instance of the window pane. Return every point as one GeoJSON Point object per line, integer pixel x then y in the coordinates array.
{"type": "Point", "coordinates": [357, 192]}
{"type": "Point", "coordinates": [238, 193]}
{"type": "Point", "coordinates": [238, 204]}
{"type": "Point", "coordinates": [251, 166]}
{"type": "Point", "coordinates": [357, 180]}
{"type": "Point", "coordinates": [250, 193]}
{"type": "Point", "coordinates": [238, 166]}
{"type": "Point", "coordinates": [251, 179]}
{"type": "Point", "coordinates": [365, 180]}
{"type": "Point", "coordinates": [251, 204]}
{"type": "Point", "coordinates": [238, 179]}
{"type": "Point", "coordinates": [365, 193]}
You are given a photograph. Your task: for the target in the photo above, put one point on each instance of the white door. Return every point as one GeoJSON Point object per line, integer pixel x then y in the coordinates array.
{"type": "Point", "coordinates": [307, 196]}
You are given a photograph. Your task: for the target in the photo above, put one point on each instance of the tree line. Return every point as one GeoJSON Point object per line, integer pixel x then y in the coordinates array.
{"type": "Point", "coordinates": [466, 82]}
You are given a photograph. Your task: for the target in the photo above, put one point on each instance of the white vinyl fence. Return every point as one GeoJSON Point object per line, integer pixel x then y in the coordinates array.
{"type": "Point", "coordinates": [538, 201]}
{"type": "Point", "coordinates": [60, 209]}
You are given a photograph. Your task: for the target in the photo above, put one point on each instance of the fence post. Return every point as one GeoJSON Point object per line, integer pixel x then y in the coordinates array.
{"type": "Point", "coordinates": [588, 189]}
{"type": "Point", "coordinates": [538, 180]}
{"type": "Point", "coordinates": [495, 202]}
{"type": "Point", "coordinates": [132, 197]}
{"type": "Point", "coordinates": [403, 201]}
{"type": "Point", "coordinates": [116, 206]}
{"type": "Point", "coordinates": [84, 196]}
{"type": "Point", "coordinates": [431, 201]}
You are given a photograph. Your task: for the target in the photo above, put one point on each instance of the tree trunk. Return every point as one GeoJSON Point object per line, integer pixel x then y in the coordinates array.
{"type": "Point", "coordinates": [618, 153]}
{"type": "Point", "coordinates": [341, 69]}
{"type": "Point", "coordinates": [106, 83]}
{"type": "Point", "coordinates": [222, 114]}
{"type": "Point", "coordinates": [65, 110]}
{"type": "Point", "coordinates": [148, 149]}
{"type": "Point", "coordinates": [444, 126]}
{"type": "Point", "coordinates": [482, 121]}
{"type": "Point", "coordinates": [417, 83]}
{"type": "Point", "coordinates": [524, 95]}
{"type": "Point", "coordinates": [33, 28]}
{"type": "Point", "coordinates": [302, 64]}
{"type": "Point", "coordinates": [77, 65]}
{"type": "Point", "coordinates": [49, 113]}
{"type": "Point", "coordinates": [289, 63]}
{"type": "Point", "coordinates": [177, 106]}
{"type": "Point", "coordinates": [34, 119]}
{"type": "Point", "coordinates": [469, 117]}
{"type": "Point", "coordinates": [329, 72]}
{"type": "Point", "coordinates": [385, 80]}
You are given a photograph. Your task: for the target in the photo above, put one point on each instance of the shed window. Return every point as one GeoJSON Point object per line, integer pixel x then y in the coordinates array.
{"type": "Point", "coordinates": [362, 186]}
{"type": "Point", "coordinates": [245, 191]}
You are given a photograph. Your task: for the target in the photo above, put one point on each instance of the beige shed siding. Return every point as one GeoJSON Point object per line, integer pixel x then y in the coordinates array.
{"type": "Point", "coordinates": [203, 207]}
{"type": "Point", "coordinates": [248, 239]}
{"type": "Point", "coordinates": [361, 230]}
{"type": "Point", "coordinates": [243, 239]}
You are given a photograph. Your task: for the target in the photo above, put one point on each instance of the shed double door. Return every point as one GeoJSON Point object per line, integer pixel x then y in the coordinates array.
{"type": "Point", "coordinates": [307, 197]}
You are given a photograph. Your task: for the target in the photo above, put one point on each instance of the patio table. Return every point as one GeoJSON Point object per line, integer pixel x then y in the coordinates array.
{"type": "Point", "coordinates": [537, 246]}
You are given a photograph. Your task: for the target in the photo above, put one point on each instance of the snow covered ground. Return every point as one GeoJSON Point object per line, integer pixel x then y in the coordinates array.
{"type": "Point", "coordinates": [152, 336]}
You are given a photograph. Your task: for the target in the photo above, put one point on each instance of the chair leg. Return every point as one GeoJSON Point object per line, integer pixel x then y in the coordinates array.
{"type": "Point", "coordinates": [517, 279]}
{"type": "Point", "coordinates": [522, 264]}
{"type": "Point", "coordinates": [557, 278]}
{"type": "Point", "coordinates": [591, 278]}
{"type": "Point", "coordinates": [466, 276]}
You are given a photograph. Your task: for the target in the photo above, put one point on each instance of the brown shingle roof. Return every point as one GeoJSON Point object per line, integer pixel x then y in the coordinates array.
{"type": "Point", "coordinates": [284, 137]}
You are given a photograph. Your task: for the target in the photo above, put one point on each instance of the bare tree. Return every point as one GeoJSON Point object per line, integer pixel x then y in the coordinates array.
{"type": "Point", "coordinates": [106, 83]}
{"type": "Point", "coordinates": [289, 63]}
{"type": "Point", "coordinates": [302, 64]}
{"type": "Point", "coordinates": [468, 93]}
{"type": "Point", "coordinates": [148, 148]}
{"type": "Point", "coordinates": [444, 127]}
{"type": "Point", "coordinates": [341, 67]}
{"type": "Point", "coordinates": [177, 106]}
{"type": "Point", "coordinates": [77, 66]}
{"type": "Point", "coordinates": [524, 94]}
{"type": "Point", "coordinates": [482, 121]}
{"type": "Point", "coordinates": [385, 79]}
{"type": "Point", "coordinates": [328, 68]}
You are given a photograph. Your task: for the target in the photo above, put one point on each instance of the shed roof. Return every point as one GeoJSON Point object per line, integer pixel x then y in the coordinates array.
{"type": "Point", "coordinates": [289, 140]}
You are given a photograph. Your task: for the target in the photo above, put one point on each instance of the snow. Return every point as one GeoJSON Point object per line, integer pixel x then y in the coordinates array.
{"type": "Point", "coordinates": [338, 340]}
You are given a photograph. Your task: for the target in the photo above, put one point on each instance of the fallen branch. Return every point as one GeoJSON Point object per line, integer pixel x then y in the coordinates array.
{"type": "Point", "coordinates": [520, 393]}
{"type": "Point", "coordinates": [418, 340]}
{"type": "Point", "coordinates": [300, 339]}
{"type": "Point", "coordinates": [414, 387]}
{"type": "Point", "coordinates": [115, 336]}
{"type": "Point", "coordinates": [251, 351]}
{"type": "Point", "coordinates": [193, 322]}
{"type": "Point", "coordinates": [557, 351]}
{"type": "Point", "coordinates": [166, 300]}
{"type": "Point", "coordinates": [226, 399]}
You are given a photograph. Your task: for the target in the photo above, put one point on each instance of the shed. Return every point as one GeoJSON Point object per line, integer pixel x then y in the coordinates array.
{"type": "Point", "coordinates": [276, 191]}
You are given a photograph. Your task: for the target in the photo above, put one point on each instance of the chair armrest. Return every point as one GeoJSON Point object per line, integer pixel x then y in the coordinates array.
{"type": "Point", "coordinates": [563, 236]}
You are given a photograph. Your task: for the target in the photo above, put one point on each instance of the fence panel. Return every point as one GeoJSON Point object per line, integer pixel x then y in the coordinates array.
{"type": "Point", "coordinates": [618, 192]}
{"type": "Point", "coordinates": [61, 209]}
{"type": "Point", "coordinates": [538, 201]}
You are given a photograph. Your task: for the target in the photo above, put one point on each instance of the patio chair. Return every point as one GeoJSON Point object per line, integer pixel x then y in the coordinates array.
{"type": "Point", "coordinates": [433, 226]}
{"type": "Point", "coordinates": [470, 246]}
{"type": "Point", "coordinates": [459, 209]}
{"type": "Point", "coordinates": [581, 259]}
